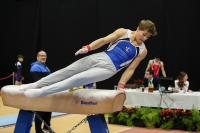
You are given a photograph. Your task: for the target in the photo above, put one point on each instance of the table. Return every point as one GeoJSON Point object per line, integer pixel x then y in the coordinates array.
{"type": "Point", "coordinates": [164, 100]}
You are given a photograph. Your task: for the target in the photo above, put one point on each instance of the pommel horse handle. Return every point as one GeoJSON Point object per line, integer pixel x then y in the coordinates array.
{"type": "Point", "coordinates": [82, 101]}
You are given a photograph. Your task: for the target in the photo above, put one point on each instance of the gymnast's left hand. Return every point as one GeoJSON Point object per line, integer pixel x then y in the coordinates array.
{"type": "Point", "coordinates": [82, 51]}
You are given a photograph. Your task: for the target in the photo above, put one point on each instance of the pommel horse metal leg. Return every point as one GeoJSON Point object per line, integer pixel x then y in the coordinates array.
{"type": "Point", "coordinates": [24, 122]}
{"type": "Point", "coordinates": [98, 124]}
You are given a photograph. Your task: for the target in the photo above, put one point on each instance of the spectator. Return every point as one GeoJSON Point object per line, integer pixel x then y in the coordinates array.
{"type": "Point", "coordinates": [38, 71]}
{"type": "Point", "coordinates": [18, 70]}
{"type": "Point", "coordinates": [149, 78]}
{"type": "Point", "coordinates": [183, 76]}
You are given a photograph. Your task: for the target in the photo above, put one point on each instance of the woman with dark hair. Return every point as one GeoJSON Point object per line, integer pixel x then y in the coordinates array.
{"type": "Point", "coordinates": [182, 77]}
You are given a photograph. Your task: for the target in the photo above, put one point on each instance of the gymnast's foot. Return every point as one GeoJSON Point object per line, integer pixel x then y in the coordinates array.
{"type": "Point", "coordinates": [31, 93]}
{"type": "Point", "coordinates": [25, 87]}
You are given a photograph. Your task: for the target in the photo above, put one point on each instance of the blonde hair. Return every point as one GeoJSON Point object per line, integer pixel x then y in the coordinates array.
{"type": "Point", "coordinates": [149, 26]}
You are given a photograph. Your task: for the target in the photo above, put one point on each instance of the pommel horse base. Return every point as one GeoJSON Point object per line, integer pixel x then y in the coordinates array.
{"type": "Point", "coordinates": [83, 101]}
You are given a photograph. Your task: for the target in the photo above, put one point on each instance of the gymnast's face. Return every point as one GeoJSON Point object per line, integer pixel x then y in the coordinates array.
{"type": "Point", "coordinates": [157, 59]}
{"type": "Point", "coordinates": [142, 35]}
{"type": "Point", "coordinates": [42, 57]}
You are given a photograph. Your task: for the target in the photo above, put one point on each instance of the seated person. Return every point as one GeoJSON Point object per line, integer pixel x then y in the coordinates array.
{"type": "Point", "coordinates": [182, 76]}
{"type": "Point", "coordinates": [149, 78]}
{"type": "Point", "coordinates": [90, 86]}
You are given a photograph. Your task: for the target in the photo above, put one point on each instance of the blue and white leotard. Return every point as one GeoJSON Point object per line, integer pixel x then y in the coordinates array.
{"type": "Point", "coordinates": [122, 51]}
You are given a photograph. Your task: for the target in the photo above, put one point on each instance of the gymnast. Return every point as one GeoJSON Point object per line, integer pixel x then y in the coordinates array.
{"type": "Point", "coordinates": [126, 48]}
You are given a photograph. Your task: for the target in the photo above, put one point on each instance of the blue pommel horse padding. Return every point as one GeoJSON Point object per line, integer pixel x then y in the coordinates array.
{"type": "Point", "coordinates": [24, 122]}
{"type": "Point", "coordinates": [98, 124]}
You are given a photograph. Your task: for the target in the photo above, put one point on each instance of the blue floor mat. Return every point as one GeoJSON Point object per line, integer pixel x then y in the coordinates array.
{"type": "Point", "coordinates": [11, 119]}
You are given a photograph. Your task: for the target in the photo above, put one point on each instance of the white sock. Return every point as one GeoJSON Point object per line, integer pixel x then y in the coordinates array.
{"type": "Point", "coordinates": [25, 87]}
{"type": "Point", "coordinates": [31, 93]}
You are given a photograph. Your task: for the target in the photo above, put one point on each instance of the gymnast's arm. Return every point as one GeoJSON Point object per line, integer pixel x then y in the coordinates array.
{"type": "Point", "coordinates": [163, 70]}
{"type": "Point", "coordinates": [131, 68]}
{"type": "Point", "coordinates": [148, 66]}
{"type": "Point", "coordinates": [102, 41]}
{"type": "Point", "coordinates": [109, 38]}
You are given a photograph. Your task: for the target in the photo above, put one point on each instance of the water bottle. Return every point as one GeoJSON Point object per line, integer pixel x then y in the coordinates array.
{"type": "Point", "coordinates": [160, 89]}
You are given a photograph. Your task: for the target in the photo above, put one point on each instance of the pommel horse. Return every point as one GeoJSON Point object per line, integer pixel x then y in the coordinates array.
{"type": "Point", "coordinates": [82, 101]}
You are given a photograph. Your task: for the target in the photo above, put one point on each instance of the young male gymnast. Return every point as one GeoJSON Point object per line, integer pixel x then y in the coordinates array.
{"type": "Point", "coordinates": [126, 48]}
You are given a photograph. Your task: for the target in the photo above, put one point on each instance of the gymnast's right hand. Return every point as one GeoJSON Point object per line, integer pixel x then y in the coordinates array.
{"type": "Point", "coordinates": [82, 51]}
{"type": "Point", "coordinates": [120, 86]}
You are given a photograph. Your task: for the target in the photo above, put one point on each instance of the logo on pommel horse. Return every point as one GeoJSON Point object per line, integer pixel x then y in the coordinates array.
{"type": "Point", "coordinates": [77, 101]}
{"type": "Point", "coordinates": [88, 103]}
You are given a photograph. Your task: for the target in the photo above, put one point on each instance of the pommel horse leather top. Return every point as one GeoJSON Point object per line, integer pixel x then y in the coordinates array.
{"type": "Point", "coordinates": [82, 101]}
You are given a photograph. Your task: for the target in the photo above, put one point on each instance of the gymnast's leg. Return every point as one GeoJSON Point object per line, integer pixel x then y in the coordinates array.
{"type": "Point", "coordinates": [77, 67]}
{"type": "Point", "coordinates": [102, 69]}
{"type": "Point", "coordinates": [91, 75]}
